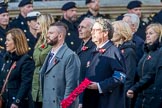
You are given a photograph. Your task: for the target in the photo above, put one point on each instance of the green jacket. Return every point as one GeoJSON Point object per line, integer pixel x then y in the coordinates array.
{"type": "Point", "coordinates": [39, 56]}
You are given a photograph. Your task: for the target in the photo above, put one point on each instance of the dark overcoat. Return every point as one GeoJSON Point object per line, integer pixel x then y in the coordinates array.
{"type": "Point", "coordinates": [84, 52]}
{"type": "Point", "coordinates": [18, 89]}
{"type": "Point", "coordinates": [89, 15]}
{"type": "Point", "coordinates": [20, 22]}
{"type": "Point", "coordinates": [146, 73]}
{"type": "Point", "coordinates": [139, 43]}
{"type": "Point", "coordinates": [129, 53]}
{"type": "Point", "coordinates": [2, 43]}
{"type": "Point", "coordinates": [156, 98]}
{"type": "Point", "coordinates": [101, 69]}
{"type": "Point", "coordinates": [72, 37]}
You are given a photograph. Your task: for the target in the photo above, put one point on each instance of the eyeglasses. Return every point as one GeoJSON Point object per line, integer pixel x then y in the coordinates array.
{"type": "Point", "coordinates": [82, 27]}
{"type": "Point", "coordinates": [96, 30]}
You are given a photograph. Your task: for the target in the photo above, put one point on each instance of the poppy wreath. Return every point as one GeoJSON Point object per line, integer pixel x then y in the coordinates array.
{"type": "Point", "coordinates": [73, 95]}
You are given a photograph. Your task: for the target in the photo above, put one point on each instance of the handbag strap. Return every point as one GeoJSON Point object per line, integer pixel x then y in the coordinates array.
{"type": "Point", "coordinates": [6, 80]}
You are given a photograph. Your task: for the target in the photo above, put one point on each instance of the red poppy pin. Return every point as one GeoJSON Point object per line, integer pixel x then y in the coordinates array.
{"type": "Point", "coordinates": [84, 48]}
{"type": "Point", "coordinates": [102, 50]}
{"type": "Point", "coordinates": [14, 65]}
{"type": "Point", "coordinates": [149, 57]}
{"type": "Point", "coordinates": [122, 51]}
{"type": "Point", "coordinates": [88, 64]}
{"type": "Point", "coordinates": [42, 46]}
{"type": "Point", "coordinates": [55, 61]}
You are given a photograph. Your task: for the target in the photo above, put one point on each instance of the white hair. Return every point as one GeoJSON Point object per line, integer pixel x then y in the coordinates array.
{"type": "Point", "coordinates": [91, 21]}
{"type": "Point", "coordinates": [134, 19]}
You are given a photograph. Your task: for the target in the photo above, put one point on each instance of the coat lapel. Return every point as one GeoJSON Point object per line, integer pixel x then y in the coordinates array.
{"type": "Point", "coordinates": [57, 58]}
{"type": "Point", "coordinates": [52, 64]}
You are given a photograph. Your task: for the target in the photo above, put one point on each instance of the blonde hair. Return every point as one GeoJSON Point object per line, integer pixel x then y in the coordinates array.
{"type": "Point", "coordinates": [157, 28]}
{"type": "Point", "coordinates": [20, 41]}
{"type": "Point", "coordinates": [45, 20]}
{"type": "Point", "coordinates": [122, 30]}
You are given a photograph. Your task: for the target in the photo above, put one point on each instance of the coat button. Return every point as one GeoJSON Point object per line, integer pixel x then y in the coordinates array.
{"type": "Point", "coordinates": [25, 31]}
{"type": "Point", "coordinates": [68, 34]}
{"type": "Point", "coordinates": [28, 40]}
{"type": "Point", "coordinates": [53, 76]}
{"type": "Point", "coordinates": [13, 98]}
{"type": "Point", "coordinates": [22, 23]}
{"type": "Point", "coordinates": [1, 39]}
{"type": "Point", "coordinates": [53, 101]}
{"type": "Point", "coordinates": [17, 100]}
{"type": "Point", "coordinates": [72, 43]}
{"type": "Point", "coordinates": [154, 88]}
{"type": "Point", "coordinates": [29, 48]}
{"type": "Point", "coordinates": [53, 88]}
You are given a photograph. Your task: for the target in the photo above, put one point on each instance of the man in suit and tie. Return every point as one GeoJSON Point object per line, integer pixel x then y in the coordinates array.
{"type": "Point", "coordinates": [85, 50]}
{"type": "Point", "coordinates": [60, 72]}
{"type": "Point", "coordinates": [105, 70]}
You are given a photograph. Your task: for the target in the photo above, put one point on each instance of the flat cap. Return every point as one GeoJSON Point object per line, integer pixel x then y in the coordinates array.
{"type": "Point", "coordinates": [25, 2]}
{"type": "Point", "coordinates": [33, 15]}
{"type": "Point", "coordinates": [134, 4]}
{"type": "Point", "coordinates": [68, 6]}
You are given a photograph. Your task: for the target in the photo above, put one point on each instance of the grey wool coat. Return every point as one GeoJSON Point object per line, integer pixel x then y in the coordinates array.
{"type": "Point", "coordinates": [60, 78]}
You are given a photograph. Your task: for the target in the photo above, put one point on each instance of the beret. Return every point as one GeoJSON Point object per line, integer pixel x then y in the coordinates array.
{"type": "Point", "coordinates": [68, 6]}
{"type": "Point", "coordinates": [33, 15]}
{"type": "Point", "coordinates": [89, 1]}
{"type": "Point", "coordinates": [3, 4]}
{"type": "Point", "coordinates": [3, 9]}
{"type": "Point", "coordinates": [25, 2]}
{"type": "Point", "coordinates": [134, 4]}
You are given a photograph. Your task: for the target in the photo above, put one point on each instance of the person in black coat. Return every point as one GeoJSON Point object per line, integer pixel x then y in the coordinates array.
{"type": "Point", "coordinates": [156, 101]}
{"type": "Point", "coordinates": [122, 38]}
{"type": "Point", "coordinates": [4, 27]}
{"type": "Point", "coordinates": [20, 22]}
{"type": "Point", "coordinates": [135, 7]}
{"type": "Point", "coordinates": [69, 18]}
{"type": "Point", "coordinates": [147, 68]}
{"type": "Point", "coordinates": [93, 10]}
{"type": "Point", "coordinates": [133, 21]}
{"type": "Point", "coordinates": [155, 18]}
{"type": "Point", "coordinates": [105, 70]}
{"type": "Point", "coordinates": [17, 93]}
{"type": "Point", "coordinates": [32, 35]}
{"type": "Point", "coordinates": [85, 50]}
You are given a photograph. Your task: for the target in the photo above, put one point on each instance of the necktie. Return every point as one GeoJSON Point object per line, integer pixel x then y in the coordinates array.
{"type": "Point", "coordinates": [50, 57]}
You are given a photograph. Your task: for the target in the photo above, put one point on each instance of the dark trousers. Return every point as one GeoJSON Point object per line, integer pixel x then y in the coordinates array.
{"type": "Point", "coordinates": [90, 99]}
{"type": "Point", "coordinates": [37, 104]}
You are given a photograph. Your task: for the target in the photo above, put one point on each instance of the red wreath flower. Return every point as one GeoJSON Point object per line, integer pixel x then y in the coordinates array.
{"type": "Point", "coordinates": [84, 48]}
{"type": "Point", "coordinates": [72, 97]}
{"type": "Point", "coordinates": [102, 50]}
